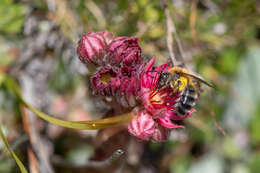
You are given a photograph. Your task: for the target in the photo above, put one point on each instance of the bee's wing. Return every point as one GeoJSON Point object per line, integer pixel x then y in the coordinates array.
{"type": "Point", "coordinates": [199, 79]}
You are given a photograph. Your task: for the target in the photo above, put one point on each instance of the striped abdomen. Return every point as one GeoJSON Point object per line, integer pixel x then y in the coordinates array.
{"type": "Point", "coordinates": [187, 101]}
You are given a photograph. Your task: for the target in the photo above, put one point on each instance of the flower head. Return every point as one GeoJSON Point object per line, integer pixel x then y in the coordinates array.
{"type": "Point", "coordinates": [159, 102]}
{"type": "Point", "coordinates": [133, 83]}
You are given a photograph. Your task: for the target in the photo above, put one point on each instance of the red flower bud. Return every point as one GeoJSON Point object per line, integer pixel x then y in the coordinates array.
{"type": "Point", "coordinates": [92, 47]}
{"type": "Point", "coordinates": [126, 50]}
{"type": "Point", "coordinates": [142, 125]}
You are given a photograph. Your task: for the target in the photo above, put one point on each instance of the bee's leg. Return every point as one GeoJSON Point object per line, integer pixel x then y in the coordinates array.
{"type": "Point", "coordinates": [181, 64]}
{"type": "Point", "coordinates": [165, 68]}
{"type": "Point", "coordinates": [152, 71]}
{"type": "Point", "coordinates": [171, 84]}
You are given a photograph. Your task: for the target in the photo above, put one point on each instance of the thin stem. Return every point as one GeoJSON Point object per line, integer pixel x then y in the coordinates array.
{"type": "Point", "coordinates": [217, 124]}
{"type": "Point", "coordinates": [171, 29]}
{"type": "Point", "coordinates": [193, 18]}
{"type": "Point", "coordinates": [101, 164]}
{"type": "Point", "coordinates": [119, 153]}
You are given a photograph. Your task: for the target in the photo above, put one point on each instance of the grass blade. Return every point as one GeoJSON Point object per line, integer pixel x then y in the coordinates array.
{"type": "Point", "coordinates": [13, 155]}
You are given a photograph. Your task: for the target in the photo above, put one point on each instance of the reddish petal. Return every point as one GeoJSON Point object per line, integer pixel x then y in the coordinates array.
{"type": "Point", "coordinates": [173, 116]}
{"type": "Point", "coordinates": [160, 134]}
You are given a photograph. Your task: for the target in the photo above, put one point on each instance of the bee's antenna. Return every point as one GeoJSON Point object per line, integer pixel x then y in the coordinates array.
{"type": "Point", "coordinates": [153, 71]}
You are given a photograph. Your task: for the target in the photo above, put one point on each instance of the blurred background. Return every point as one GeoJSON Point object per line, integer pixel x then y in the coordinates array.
{"type": "Point", "coordinates": [221, 39]}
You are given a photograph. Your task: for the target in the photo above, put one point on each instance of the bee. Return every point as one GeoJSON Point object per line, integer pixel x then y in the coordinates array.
{"type": "Point", "coordinates": [187, 84]}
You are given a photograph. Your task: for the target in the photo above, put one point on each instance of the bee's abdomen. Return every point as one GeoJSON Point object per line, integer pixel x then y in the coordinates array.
{"type": "Point", "coordinates": [187, 101]}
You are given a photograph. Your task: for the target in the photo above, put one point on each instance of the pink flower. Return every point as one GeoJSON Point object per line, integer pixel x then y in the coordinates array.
{"type": "Point", "coordinates": [92, 47]}
{"type": "Point", "coordinates": [125, 50]}
{"type": "Point", "coordinates": [156, 101]}
{"type": "Point", "coordinates": [159, 102]}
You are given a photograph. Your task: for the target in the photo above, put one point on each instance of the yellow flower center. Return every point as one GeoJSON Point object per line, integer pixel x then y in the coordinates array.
{"type": "Point", "coordinates": [156, 99]}
{"type": "Point", "coordinates": [105, 78]}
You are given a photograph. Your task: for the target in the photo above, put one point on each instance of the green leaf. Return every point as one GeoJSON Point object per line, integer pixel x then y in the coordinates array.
{"type": "Point", "coordinates": [2, 78]}
{"type": "Point", "coordinates": [255, 127]}
{"type": "Point", "coordinates": [254, 164]}
{"type": "Point", "coordinates": [13, 155]}
{"type": "Point", "coordinates": [12, 16]}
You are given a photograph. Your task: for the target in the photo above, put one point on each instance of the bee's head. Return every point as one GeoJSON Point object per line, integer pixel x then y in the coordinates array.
{"type": "Point", "coordinates": [163, 80]}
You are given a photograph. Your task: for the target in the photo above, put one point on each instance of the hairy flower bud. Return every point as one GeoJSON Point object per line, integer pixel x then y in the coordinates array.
{"type": "Point", "coordinates": [126, 50]}
{"type": "Point", "coordinates": [92, 47]}
{"type": "Point", "coordinates": [142, 125]}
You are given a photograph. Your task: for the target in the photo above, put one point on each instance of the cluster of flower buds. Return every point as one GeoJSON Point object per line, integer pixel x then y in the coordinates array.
{"type": "Point", "coordinates": [121, 73]}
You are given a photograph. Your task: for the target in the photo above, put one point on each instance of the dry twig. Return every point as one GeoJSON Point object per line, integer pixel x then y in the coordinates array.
{"type": "Point", "coordinates": [96, 166]}
{"type": "Point", "coordinates": [193, 17]}
{"type": "Point", "coordinates": [171, 29]}
{"type": "Point", "coordinates": [29, 121]}
{"type": "Point", "coordinates": [97, 12]}
{"type": "Point", "coordinates": [217, 124]}
{"type": "Point", "coordinates": [33, 162]}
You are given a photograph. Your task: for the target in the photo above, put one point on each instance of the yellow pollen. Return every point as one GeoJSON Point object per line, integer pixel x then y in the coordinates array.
{"type": "Point", "coordinates": [184, 82]}
{"type": "Point", "coordinates": [157, 98]}
{"type": "Point", "coordinates": [180, 84]}
{"type": "Point", "coordinates": [105, 77]}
